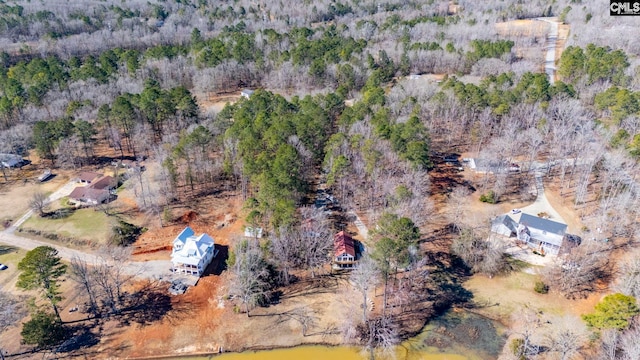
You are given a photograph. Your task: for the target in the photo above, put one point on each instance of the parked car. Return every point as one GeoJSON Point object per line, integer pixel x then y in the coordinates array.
{"type": "Point", "coordinates": [516, 211]}
{"type": "Point", "coordinates": [3, 267]}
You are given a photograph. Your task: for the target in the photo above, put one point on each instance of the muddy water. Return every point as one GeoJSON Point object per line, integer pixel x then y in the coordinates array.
{"type": "Point", "coordinates": [327, 353]}
{"type": "Point", "coordinates": [454, 336]}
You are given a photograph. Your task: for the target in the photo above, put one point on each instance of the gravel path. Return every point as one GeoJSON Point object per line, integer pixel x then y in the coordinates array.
{"type": "Point", "coordinates": [550, 59]}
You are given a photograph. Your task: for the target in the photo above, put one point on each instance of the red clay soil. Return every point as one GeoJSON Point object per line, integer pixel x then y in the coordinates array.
{"type": "Point", "coordinates": [195, 315]}
{"type": "Point", "coordinates": [188, 217]}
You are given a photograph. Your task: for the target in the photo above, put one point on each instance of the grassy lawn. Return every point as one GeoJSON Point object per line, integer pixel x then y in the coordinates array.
{"type": "Point", "coordinates": [505, 295]}
{"type": "Point", "coordinates": [9, 256]}
{"type": "Point", "coordinates": [84, 224]}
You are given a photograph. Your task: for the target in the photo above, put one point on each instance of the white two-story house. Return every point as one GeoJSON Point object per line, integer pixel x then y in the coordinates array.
{"type": "Point", "coordinates": [192, 254]}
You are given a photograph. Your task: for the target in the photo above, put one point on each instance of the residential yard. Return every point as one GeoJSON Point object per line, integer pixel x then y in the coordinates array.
{"type": "Point", "coordinates": [11, 339]}
{"type": "Point", "coordinates": [88, 225]}
{"type": "Point", "coordinates": [18, 193]}
{"type": "Point", "coordinates": [501, 297]}
{"type": "Point", "coordinates": [9, 256]}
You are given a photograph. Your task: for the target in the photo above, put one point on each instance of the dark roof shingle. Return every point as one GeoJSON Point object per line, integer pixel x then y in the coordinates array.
{"type": "Point", "coordinates": [539, 223]}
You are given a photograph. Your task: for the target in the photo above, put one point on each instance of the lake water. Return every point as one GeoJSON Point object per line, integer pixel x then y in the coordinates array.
{"type": "Point", "coordinates": [454, 336]}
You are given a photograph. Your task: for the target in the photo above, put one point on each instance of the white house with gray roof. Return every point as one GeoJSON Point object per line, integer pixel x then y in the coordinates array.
{"type": "Point", "coordinates": [192, 254]}
{"type": "Point", "coordinates": [504, 225]}
{"type": "Point", "coordinates": [541, 233]}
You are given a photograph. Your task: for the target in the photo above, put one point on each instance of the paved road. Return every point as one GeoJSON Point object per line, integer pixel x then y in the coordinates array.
{"type": "Point", "coordinates": [541, 204]}
{"type": "Point", "coordinates": [155, 269]}
{"type": "Point", "coordinates": [149, 269]}
{"type": "Point", "coordinates": [65, 190]}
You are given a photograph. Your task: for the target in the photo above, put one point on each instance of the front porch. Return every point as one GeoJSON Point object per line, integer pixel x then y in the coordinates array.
{"type": "Point", "coordinates": [188, 269]}
{"type": "Point", "coordinates": [344, 264]}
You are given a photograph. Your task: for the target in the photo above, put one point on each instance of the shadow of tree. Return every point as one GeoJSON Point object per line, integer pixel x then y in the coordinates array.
{"type": "Point", "coordinates": [82, 337]}
{"type": "Point", "coordinates": [5, 249]}
{"type": "Point", "coordinates": [147, 305]}
{"type": "Point", "coordinates": [319, 285]}
{"type": "Point", "coordinates": [62, 213]}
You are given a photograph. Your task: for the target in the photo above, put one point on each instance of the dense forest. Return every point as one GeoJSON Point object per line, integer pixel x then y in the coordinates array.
{"type": "Point", "coordinates": [339, 102]}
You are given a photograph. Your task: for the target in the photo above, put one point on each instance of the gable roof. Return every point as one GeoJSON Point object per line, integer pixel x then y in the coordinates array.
{"type": "Point", "coordinates": [505, 220]}
{"type": "Point", "coordinates": [543, 224]}
{"type": "Point", "coordinates": [194, 247]}
{"type": "Point", "coordinates": [106, 182]}
{"type": "Point", "coordinates": [184, 235]}
{"type": "Point", "coordinates": [82, 193]}
{"type": "Point", "coordinates": [343, 243]}
{"type": "Point", "coordinates": [77, 193]}
{"type": "Point", "coordinates": [87, 176]}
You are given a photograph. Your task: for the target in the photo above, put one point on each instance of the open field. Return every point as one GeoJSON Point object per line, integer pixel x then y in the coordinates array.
{"type": "Point", "coordinates": [503, 296]}
{"type": "Point", "coordinates": [88, 224]}
{"type": "Point", "coordinates": [9, 256]}
{"type": "Point", "coordinates": [215, 103]}
{"type": "Point", "coordinates": [18, 192]}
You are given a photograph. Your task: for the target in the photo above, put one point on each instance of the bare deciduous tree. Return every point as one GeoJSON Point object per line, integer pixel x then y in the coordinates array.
{"type": "Point", "coordinates": [249, 274]}
{"type": "Point", "coordinates": [456, 205]}
{"type": "Point", "coordinates": [104, 281]}
{"type": "Point", "coordinates": [610, 340]}
{"type": "Point", "coordinates": [315, 238]}
{"type": "Point", "coordinates": [364, 278]}
{"type": "Point", "coordinates": [629, 344]}
{"type": "Point", "coordinates": [565, 336]}
{"type": "Point", "coordinates": [39, 202]}
{"type": "Point", "coordinates": [577, 274]}
{"type": "Point", "coordinates": [379, 334]}
{"type": "Point", "coordinates": [12, 309]}
{"type": "Point", "coordinates": [526, 326]}
{"type": "Point", "coordinates": [84, 275]}
{"type": "Point", "coordinates": [482, 253]}
{"type": "Point", "coordinates": [285, 248]}
{"type": "Point", "coordinates": [628, 280]}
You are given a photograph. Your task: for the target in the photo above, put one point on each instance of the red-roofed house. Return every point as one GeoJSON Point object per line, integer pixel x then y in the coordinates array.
{"type": "Point", "coordinates": [96, 193]}
{"type": "Point", "coordinates": [104, 183]}
{"type": "Point", "coordinates": [344, 251]}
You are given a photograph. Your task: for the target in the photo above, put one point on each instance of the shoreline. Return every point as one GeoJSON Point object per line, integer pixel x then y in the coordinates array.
{"type": "Point", "coordinates": [236, 351]}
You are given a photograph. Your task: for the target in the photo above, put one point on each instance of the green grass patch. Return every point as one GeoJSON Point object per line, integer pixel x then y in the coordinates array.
{"type": "Point", "coordinates": [9, 256]}
{"type": "Point", "coordinates": [83, 224]}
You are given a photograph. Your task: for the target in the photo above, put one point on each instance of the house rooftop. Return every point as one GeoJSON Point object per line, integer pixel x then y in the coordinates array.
{"type": "Point", "coordinates": [185, 234]}
{"type": "Point", "coordinates": [82, 193]}
{"type": "Point", "coordinates": [543, 224]}
{"type": "Point", "coordinates": [87, 176]}
{"type": "Point", "coordinates": [194, 247]}
{"type": "Point", "coordinates": [105, 182]}
{"type": "Point", "coordinates": [507, 221]}
{"type": "Point", "coordinates": [343, 243]}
